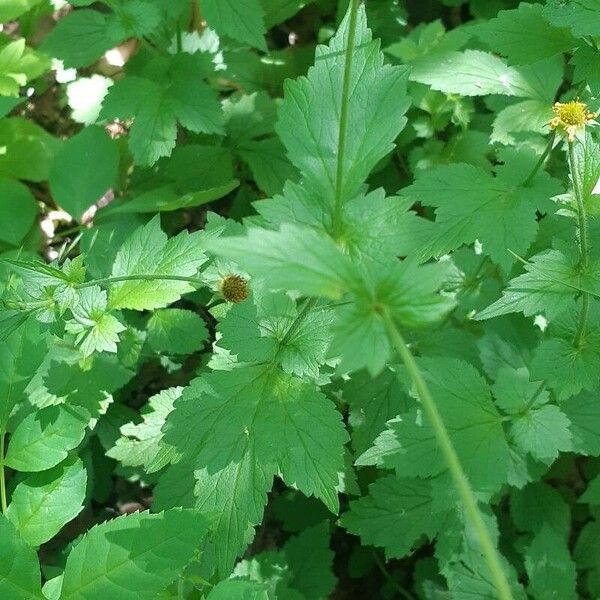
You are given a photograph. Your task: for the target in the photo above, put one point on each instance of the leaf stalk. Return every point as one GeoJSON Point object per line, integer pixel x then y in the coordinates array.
{"type": "Point", "coordinates": [2, 475]}
{"type": "Point", "coordinates": [583, 243]}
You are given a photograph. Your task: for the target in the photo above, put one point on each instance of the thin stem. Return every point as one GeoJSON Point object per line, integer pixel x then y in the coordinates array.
{"type": "Point", "coordinates": [540, 162]}
{"type": "Point", "coordinates": [581, 214]}
{"type": "Point", "coordinates": [452, 461]}
{"type": "Point", "coordinates": [2, 475]}
{"type": "Point", "coordinates": [341, 155]}
{"type": "Point", "coordinates": [583, 243]}
{"type": "Point", "coordinates": [179, 38]}
{"type": "Point", "coordinates": [406, 595]}
{"type": "Point", "coordinates": [148, 277]}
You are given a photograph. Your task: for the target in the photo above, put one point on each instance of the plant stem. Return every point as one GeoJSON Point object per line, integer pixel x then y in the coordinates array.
{"type": "Point", "coordinates": [179, 38]}
{"type": "Point", "coordinates": [583, 243]}
{"type": "Point", "coordinates": [2, 475]}
{"type": "Point", "coordinates": [381, 565]}
{"type": "Point", "coordinates": [581, 214]}
{"type": "Point", "coordinates": [149, 277]}
{"type": "Point", "coordinates": [452, 461]}
{"type": "Point", "coordinates": [344, 109]}
{"type": "Point", "coordinates": [540, 162]}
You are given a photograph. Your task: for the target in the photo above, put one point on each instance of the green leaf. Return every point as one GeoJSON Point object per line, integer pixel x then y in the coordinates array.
{"type": "Point", "coordinates": [157, 105]}
{"type": "Point", "coordinates": [176, 331]}
{"type": "Point", "coordinates": [95, 329]}
{"type": "Point", "coordinates": [167, 198]}
{"type": "Point", "coordinates": [549, 286]}
{"type": "Point", "coordinates": [20, 577]}
{"type": "Point", "coordinates": [471, 73]}
{"type": "Point", "coordinates": [292, 258]}
{"type": "Point", "coordinates": [12, 9]}
{"type": "Point", "coordinates": [584, 414]}
{"type": "Point", "coordinates": [83, 36]}
{"type": "Point", "coordinates": [138, 554]}
{"type": "Point", "coordinates": [409, 446]}
{"type": "Point", "coordinates": [270, 168]}
{"type": "Point", "coordinates": [88, 384]}
{"type": "Point", "coordinates": [536, 427]}
{"type": "Point", "coordinates": [149, 252]}
{"type": "Point", "coordinates": [309, 118]}
{"type": "Point", "coordinates": [473, 205]}
{"type": "Point", "coordinates": [238, 589]}
{"type": "Point", "coordinates": [395, 515]}
{"type": "Point", "coordinates": [18, 65]}
{"type": "Point", "coordinates": [44, 437]}
{"type": "Point", "coordinates": [18, 210]}
{"type": "Point", "coordinates": [524, 36]}
{"type": "Point", "coordinates": [28, 150]}
{"type": "Point", "coordinates": [407, 290]}
{"type": "Point", "coordinates": [139, 444]}
{"type": "Point", "coordinates": [582, 17]}
{"type": "Point", "coordinates": [84, 169]}
{"type": "Point", "coordinates": [311, 561]}
{"type": "Point", "coordinates": [43, 503]}
{"type": "Point", "coordinates": [568, 367]}
{"type": "Point", "coordinates": [373, 402]}
{"type": "Point", "coordinates": [254, 331]}
{"type": "Point", "coordinates": [238, 430]}
{"type": "Point", "coordinates": [550, 568]}
{"type": "Point", "coordinates": [240, 20]}
{"type": "Point", "coordinates": [21, 353]}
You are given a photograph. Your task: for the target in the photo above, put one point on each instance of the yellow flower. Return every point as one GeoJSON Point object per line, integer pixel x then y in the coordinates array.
{"type": "Point", "coordinates": [571, 117]}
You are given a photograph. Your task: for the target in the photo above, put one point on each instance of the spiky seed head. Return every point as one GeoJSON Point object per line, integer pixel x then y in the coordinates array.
{"type": "Point", "coordinates": [234, 288]}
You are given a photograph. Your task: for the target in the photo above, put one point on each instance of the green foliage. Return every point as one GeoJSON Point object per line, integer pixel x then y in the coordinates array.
{"type": "Point", "coordinates": [398, 398]}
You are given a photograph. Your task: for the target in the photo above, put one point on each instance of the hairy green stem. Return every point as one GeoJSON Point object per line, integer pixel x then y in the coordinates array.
{"type": "Point", "coordinates": [381, 565]}
{"type": "Point", "coordinates": [583, 243]}
{"type": "Point", "coordinates": [148, 277]}
{"type": "Point", "coordinates": [344, 109]}
{"type": "Point", "coordinates": [540, 162]}
{"type": "Point", "coordinates": [2, 475]}
{"type": "Point", "coordinates": [452, 461]}
{"type": "Point", "coordinates": [581, 214]}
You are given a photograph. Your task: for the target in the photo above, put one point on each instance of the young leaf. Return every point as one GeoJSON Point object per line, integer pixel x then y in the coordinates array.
{"type": "Point", "coordinates": [43, 502]}
{"type": "Point", "coordinates": [138, 554]}
{"type": "Point", "coordinates": [95, 329]}
{"type": "Point", "coordinates": [309, 119]}
{"type": "Point", "coordinates": [20, 577]}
